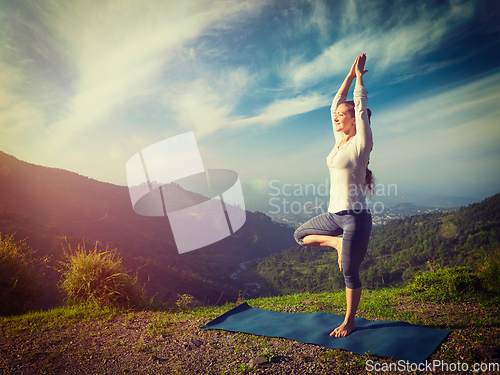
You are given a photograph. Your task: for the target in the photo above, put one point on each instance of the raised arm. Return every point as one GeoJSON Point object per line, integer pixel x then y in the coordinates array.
{"type": "Point", "coordinates": [363, 130]}
{"type": "Point", "coordinates": [346, 85]}
{"type": "Point", "coordinates": [359, 69]}
{"type": "Point", "coordinates": [341, 97]}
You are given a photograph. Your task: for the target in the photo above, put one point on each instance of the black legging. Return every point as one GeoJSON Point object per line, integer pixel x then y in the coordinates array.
{"type": "Point", "coordinates": [355, 226]}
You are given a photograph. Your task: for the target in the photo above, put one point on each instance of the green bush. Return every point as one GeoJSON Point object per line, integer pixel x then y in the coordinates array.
{"type": "Point", "coordinates": [184, 301]}
{"type": "Point", "coordinates": [446, 285]}
{"type": "Point", "coordinates": [98, 278]}
{"type": "Point", "coordinates": [20, 276]}
{"type": "Point", "coordinates": [489, 272]}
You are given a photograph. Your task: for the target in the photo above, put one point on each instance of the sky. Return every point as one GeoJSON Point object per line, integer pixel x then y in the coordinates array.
{"type": "Point", "coordinates": [86, 84]}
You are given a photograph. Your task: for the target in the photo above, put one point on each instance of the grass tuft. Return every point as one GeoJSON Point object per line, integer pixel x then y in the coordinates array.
{"type": "Point", "coordinates": [20, 276]}
{"type": "Point", "coordinates": [98, 278]}
{"type": "Point", "coordinates": [446, 285]}
{"type": "Point", "coordinates": [489, 272]}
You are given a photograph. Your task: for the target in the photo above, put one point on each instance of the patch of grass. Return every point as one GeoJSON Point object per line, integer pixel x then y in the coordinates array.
{"type": "Point", "coordinates": [269, 354]}
{"type": "Point", "coordinates": [160, 325]}
{"type": "Point", "coordinates": [20, 276]}
{"type": "Point", "coordinates": [242, 367]}
{"type": "Point", "coordinates": [184, 301]}
{"type": "Point", "coordinates": [328, 355]}
{"type": "Point", "coordinates": [446, 285]}
{"type": "Point", "coordinates": [153, 334]}
{"type": "Point", "coordinates": [98, 278]}
{"type": "Point", "coordinates": [57, 318]}
{"type": "Point", "coordinates": [489, 272]}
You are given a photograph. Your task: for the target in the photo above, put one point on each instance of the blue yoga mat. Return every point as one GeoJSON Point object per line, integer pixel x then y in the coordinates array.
{"type": "Point", "coordinates": [397, 340]}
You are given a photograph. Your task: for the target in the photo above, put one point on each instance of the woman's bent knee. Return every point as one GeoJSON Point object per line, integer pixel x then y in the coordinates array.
{"type": "Point", "coordinates": [352, 281]}
{"type": "Point", "coordinates": [298, 238]}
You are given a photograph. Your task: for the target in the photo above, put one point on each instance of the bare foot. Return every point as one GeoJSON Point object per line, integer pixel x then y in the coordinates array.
{"type": "Point", "coordinates": [344, 329]}
{"type": "Point", "coordinates": [339, 253]}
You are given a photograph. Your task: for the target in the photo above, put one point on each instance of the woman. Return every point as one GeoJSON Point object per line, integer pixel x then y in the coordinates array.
{"type": "Point", "coordinates": [348, 213]}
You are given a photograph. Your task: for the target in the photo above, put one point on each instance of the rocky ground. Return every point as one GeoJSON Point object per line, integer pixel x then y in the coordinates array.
{"type": "Point", "coordinates": [154, 342]}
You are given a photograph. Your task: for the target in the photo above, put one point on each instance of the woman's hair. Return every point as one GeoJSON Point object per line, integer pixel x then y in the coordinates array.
{"type": "Point", "coordinates": [351, 111]}
{"type": "Point", "coordinates": [369, 179]}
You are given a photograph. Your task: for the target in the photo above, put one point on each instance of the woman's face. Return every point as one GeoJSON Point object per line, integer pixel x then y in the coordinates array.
{"type": "Point", "coordinates": [344, 122]}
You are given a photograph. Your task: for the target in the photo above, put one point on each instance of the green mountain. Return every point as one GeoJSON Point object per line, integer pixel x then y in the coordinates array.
{"type": "Point", "coordinates": [49, 207]}
{"type": "Point", "coordinates": [397, 250]}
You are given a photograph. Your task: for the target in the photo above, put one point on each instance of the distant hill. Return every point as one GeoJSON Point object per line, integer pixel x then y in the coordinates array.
{"type": "Point", "coordinates": [446, 201]}
{"type": "Point", "coordinates": [45, 204]}
{"type": "Point", "coordinates": [396, 251]}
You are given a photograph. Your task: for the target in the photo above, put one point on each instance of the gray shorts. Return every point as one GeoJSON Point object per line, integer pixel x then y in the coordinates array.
{"type": "Point", "coordinates": [355, 228]}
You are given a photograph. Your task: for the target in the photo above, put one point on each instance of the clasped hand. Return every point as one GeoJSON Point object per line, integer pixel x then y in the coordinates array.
{"type": "Point", "coordinates": [358, 68]}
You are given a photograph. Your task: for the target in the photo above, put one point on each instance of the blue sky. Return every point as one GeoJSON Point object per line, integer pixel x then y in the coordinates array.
{"type": "Point", "coordinates": [84, 85]}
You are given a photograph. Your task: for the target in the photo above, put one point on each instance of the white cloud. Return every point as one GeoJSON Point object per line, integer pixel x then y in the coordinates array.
{"type": "Point", "coordinates": [392, 49]}
{"type": "Point", "coordinates": [316, 17]}
{"type": "Point", "coordinates": [17, 113]}
{"type": "Point", "coordinates": [448, 137]}
{"type": "Point", "coordinates": [125, 49]}
{"type": "Point", "coordinates": [90, 59]}
{"type": "Point", "coordinates": [414, 30]}
{"type": "Point", "coordinates": [87, 81]}
{"type": "Point", "coordinates": [205, 105]}
{"type": "Point", "coordinates": [284, 108]}
{"type": "Point", "coordinates": [446, 110]}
